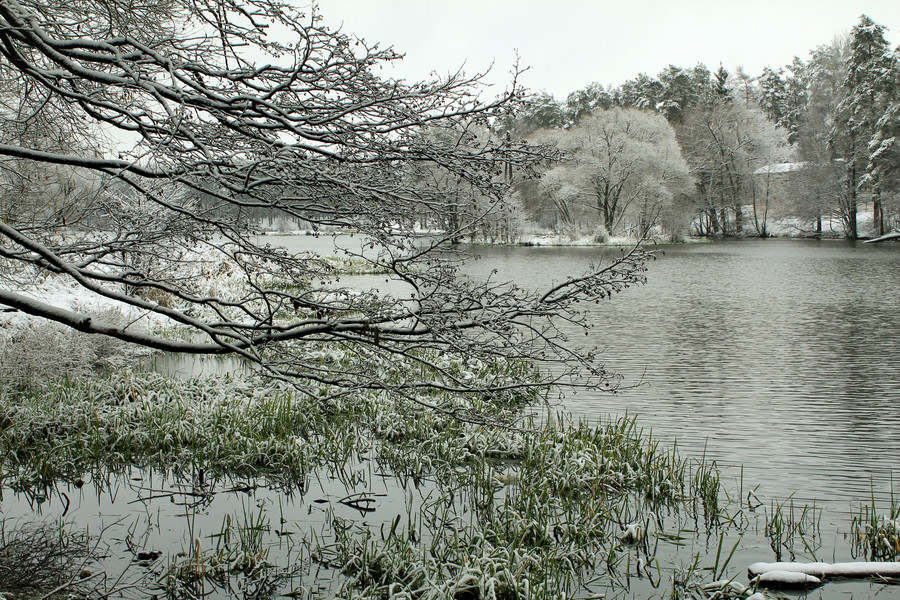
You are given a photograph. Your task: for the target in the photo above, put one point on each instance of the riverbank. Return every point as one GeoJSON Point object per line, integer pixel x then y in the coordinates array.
{"type": "Point", "coordinates": [784, 227]}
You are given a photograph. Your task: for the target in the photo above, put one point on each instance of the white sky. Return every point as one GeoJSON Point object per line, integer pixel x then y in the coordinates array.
{"type": "Point", "coordinates": [571, 43]}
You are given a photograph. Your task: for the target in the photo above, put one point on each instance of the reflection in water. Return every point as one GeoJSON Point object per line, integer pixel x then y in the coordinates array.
{"type": "Point", "coordinates": [778, 356]}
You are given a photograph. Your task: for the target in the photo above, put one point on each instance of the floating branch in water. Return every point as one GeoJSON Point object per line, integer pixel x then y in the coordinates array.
{"type": "Point", "coordinates": [784, 574]}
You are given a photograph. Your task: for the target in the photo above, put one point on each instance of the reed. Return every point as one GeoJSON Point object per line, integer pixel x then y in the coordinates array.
{"type": "Point", "coordinates": [876, 532]}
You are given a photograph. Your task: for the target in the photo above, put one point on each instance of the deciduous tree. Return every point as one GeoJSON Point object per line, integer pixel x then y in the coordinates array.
{"type": "Point", "coordinates": [231, 106]}
{"type": "Point", "coordinates": [725, 144]}
{"type": "Point", "coordinates": [624, 166]}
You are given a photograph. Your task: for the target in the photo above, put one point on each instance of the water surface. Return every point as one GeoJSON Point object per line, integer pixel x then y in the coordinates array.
{"type": "Point", "coordinates": [780, 356]}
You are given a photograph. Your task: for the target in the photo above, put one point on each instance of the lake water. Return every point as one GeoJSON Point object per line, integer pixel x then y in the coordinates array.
{"type": "Point", "coordinates": [781, 357]}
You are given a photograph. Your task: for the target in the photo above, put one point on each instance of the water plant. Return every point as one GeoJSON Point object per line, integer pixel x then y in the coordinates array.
{"type": "Point", "coordinates": [876, 534]}
{"type": "Point", "coordinates": [543, 507]}
{"type": "Point", "coordinates": [232, 561]}
{"type": "Point", "coordinates": [793, 529]}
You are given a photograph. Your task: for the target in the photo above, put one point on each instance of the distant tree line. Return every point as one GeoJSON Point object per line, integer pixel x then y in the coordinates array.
{"type": "Point", "coordinates": [691, 151]}
{"type": "Point", "coordinates": [701, 151]}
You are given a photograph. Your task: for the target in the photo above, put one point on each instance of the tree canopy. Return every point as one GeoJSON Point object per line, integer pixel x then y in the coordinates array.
{"type": "Point", "coordinates": [621, 162]}
{"type": "Point", "coordinates": [182, 118]}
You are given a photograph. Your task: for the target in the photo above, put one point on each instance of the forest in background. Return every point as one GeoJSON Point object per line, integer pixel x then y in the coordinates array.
{"type": "Point", "coordinates": [807, 150]}
{"type": "Point", "coordinates": [804, 150]}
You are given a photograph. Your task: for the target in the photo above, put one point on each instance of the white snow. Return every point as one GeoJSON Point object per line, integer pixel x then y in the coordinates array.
{"type": "Point", "coordinates": [823, 570]}
{"type": "Point", "coordinates": [66, 294]}
{"type": "Point", "coordinates": [634, 532]}
{"type": "Point", "coordinates": [786, 579]}
{"type": "Point", "coordinates": [725, 585]}
{"type": "Point", "coordinates": [778, 168]}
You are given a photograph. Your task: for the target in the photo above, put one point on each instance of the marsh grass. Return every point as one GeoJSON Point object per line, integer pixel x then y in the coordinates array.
{"type": "Point", "coordinates": [567, 503]}
{"type": "Point", "coordinates": [876, 533]}
{"type": "Point", "coordinates": [233, 561]}
{"type": "Point", "coordinates": [793, 530]}
{"type": "Point", "coordinates": [546, 508]}
{"type": "Point", "coordinates": [80, 426]}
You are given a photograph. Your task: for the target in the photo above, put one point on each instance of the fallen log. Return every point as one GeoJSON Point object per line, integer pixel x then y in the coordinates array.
{"type": "Point", "coordinates": [888, 236]}
{"type": "Point", "coordinates": [786, 580]}
{"type": "Point", "coordinates": [823, 570]}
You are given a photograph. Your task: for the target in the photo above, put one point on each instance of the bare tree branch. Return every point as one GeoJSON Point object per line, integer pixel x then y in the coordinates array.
{"type": "Point", "coordinates": [181, 126]}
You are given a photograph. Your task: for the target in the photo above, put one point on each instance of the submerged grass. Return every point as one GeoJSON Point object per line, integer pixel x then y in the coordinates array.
{"type": "Point", "coordinates": [547, 508]}
{"type": "Point", "coordinates": [232, 561]}
{"type": "Point", "coordinates": [793, 531]}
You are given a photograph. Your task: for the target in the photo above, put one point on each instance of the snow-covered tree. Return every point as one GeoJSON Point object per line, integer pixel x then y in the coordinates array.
{"type": "Point", "coordinates": [782, 96]}
{"type": "Point", "coordinates": [643, 91]}
{"type": "Point", "coordinates": [884, 155]}
{"type": "Point", "coordinates": [585, 102]}
{"type": "Point", "coordinates": [227, 106]}
{"type": "Point", "coordinates": [871, 86]}
{"type": "Point", "coordinates": [822, 142]}
{"type": "Point", "coordinates": [725, 145]}
{"type": "Point", "coordinates": [772, 95]}
{"type": "Point", "coordinates": [623, 165]}
{"type": "Point", "coordinates": [679, 92]}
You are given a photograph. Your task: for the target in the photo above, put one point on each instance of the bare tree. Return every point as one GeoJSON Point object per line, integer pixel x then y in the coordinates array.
{"type": "Point", "coordinates": [725, 144]}
{"type": "Point", "coordinates": [219, 108]}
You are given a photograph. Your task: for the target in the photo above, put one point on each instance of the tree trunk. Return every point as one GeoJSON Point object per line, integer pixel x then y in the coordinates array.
{"type": "Point", "coordinates": [852, 229]}
{"type": "Point", "coordinates": [713, 222]}
{"type": "Point", "coordinates": [877, 209]}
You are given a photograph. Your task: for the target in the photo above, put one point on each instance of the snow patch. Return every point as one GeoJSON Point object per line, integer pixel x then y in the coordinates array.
{"type": "Point", "coordinates": [823, 570]}
{"type": "Point", "coordinates": [786, 579]}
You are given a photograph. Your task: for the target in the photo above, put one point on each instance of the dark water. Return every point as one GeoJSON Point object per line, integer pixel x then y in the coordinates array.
{"type": "Point", "coordinates": [778, 356]}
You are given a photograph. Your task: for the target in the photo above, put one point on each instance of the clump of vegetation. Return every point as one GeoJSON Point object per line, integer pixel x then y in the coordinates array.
{"type": "Point", "coordinates": [567, 503]}
{"type": "Point", "coordinates": [26, 362]}
{"type": "Point", "coordinates": [876, 534]}
{"type": "Point", "coordinates": [40, 559]}
{"type": "Point", "coordinates": [236, 557]}
{"type": "Point", "coordinates": [793, 529]}
{"type": "Point", "coordinates": [77, 426]}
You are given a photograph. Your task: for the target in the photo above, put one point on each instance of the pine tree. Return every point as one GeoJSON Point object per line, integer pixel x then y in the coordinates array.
{"type": "Point", "coordinates": [796, 87]}
{"type": "Point", "coordinates": [870, 77]}
{"type": "Point", "coordinates": [772, 95]}
{"type": "Point", "coordinates": [721, 86]}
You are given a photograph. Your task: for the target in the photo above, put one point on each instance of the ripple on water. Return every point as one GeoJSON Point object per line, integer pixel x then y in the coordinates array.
{"type": "Point", "coordinates": [778, 356]}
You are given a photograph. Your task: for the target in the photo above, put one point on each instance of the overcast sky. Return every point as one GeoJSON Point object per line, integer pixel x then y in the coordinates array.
{"type": "Point", "coordinates": [570, 43]}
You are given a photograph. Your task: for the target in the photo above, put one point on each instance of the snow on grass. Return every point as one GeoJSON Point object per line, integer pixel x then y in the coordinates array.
{"type": "Point", "coordinates": [556, 520]}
